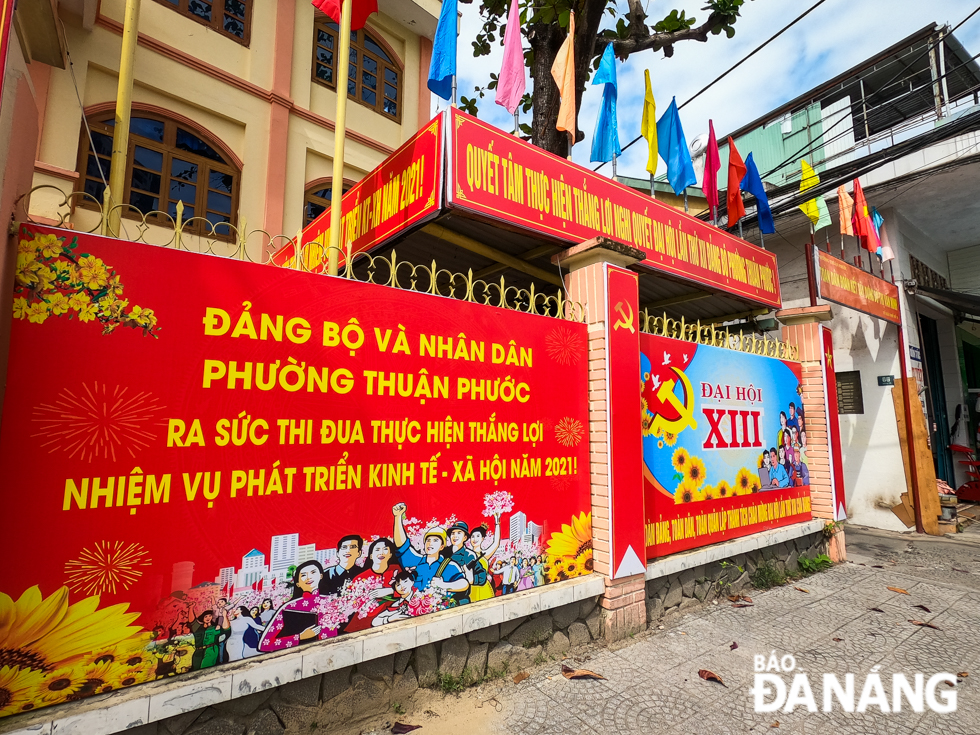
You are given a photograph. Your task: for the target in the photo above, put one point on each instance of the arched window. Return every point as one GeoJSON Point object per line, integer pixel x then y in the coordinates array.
{"type": "Point", "coordinates": [232, 18]}
{"type": "Point", "coordinates": [317, 200]}
{"type": "Point", "coordinates": [166, 163]}
{"type": "Point", "coordinates": [374, 77]}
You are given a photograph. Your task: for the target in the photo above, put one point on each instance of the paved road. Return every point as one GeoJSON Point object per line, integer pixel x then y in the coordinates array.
{"type": "Point", "coordinates": [652, 683]}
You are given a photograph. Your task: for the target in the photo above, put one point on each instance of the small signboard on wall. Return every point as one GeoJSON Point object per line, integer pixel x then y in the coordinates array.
{"type": "Point", "coordinates": [850, 398]}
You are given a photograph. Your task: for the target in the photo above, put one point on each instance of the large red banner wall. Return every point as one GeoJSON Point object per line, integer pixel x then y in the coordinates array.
{"type": "Point", "coordinates": [198, 453]}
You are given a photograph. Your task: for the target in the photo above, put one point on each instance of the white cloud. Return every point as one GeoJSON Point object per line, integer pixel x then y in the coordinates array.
{"type": "Point", "coordinates": [833, 38]}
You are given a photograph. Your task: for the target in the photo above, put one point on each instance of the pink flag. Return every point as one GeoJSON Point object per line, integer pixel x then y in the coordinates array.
{"type": "Point", "coordinates": [510, 83]}
{"type": "Point", "coordinates": [712, 164]}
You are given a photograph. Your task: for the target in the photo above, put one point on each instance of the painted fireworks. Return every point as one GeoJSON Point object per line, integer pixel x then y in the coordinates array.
{"type": "Point", "coordinates": [569, 431]}
{"type": "Point", "coordinates": [564, 345]}
{"type": "Point", "coordinates": [98, 422]}
{"type": "Point", "coordinates": [109, 567]}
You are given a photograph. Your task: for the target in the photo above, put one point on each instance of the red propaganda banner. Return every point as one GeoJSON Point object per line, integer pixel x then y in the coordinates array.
{"type": "Point", "coordinates": [833, 425]}
{"type": "Point", "coordinates": [404, 190]}
{"type": "Point", "coordinates": [846, 285]}
{"type": "Point", "coordinates": [229, 459]}
{"type": "Point", "coordinates": [504, 178]}
{"type": "Point", "coordinates": [625, 449]}
{"type": "Point", "coordinates": [724, 444]}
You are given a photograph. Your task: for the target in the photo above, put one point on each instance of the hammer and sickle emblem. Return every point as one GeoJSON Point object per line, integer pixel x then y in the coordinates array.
{"type": "Point", "coordinates": [685, 408]}
{"type": "Point", "coordinates": [625, 321]}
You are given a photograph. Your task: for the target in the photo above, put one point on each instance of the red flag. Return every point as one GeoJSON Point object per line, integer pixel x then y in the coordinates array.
{"type": "Point", "coordinates": [863, 228]}
{"type": "Point", "coordinates": [261, 583]}
{"type": "Point", "coordinates": [360, 10]}
{"type": "Point", "coordinates": [712, 164]}
{"type": "Point", "coordinates": [736, 172]}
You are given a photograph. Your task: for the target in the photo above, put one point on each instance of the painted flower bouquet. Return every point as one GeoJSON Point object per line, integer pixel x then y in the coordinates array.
{"type": "Point", "coordinates": [356, 598]}
{"type": "Point", "coordinates": [497, 503]}
{"type": "Point", "coordinates": [52, 279]}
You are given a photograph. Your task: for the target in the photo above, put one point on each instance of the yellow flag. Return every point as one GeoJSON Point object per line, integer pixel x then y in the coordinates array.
{"type": "Point", "coordinates": [808, 180]}
{"type": "Point", "coordinates": [648, 128]}
{"type": "Point", "coordinates": [563, 72]}
{"type": "Point", "coordinates": [815, 209]}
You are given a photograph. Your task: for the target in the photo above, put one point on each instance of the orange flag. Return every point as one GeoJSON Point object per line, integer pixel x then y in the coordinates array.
{"type": "Point", "coordinates": [563, 72]}
{"type": "Point", "coordinates": [846, 205]}
{"type": "Point", "coordinates": [736, 172]}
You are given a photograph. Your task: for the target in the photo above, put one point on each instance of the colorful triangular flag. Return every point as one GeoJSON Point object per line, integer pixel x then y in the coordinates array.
{"type": "Point", "coordinates": [648, 127]}
{"type": "Point", "coordinates": [511, 84]}
{"type": "Point", "coordinates": [752, 183]}
{"type": "Point", "coordinates": [846, 213]}
{"type": "Point", "coordinates": [674, 150]}
{"type": "Point", "coordinates": [736, 172]}
{"type": "Point", "coordinates": [816, 208]}
{"type": "Point", "coordinates": [442, 67]}
{"type": "Point", "coordinates": [605, 139]}
{"type": "Point", "coordinates": [563, 72]}
{"type": "Point", "coordinates": [712, 165]}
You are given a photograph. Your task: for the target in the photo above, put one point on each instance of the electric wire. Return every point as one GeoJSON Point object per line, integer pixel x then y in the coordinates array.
{"type": "Point", "coordinates": [737, 64]}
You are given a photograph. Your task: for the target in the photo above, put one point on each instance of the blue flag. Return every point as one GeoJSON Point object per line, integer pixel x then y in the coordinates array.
{"type": "Point", "coordinates": [442, 68]}
{"type": "Point", "coordinates": [605, 139]}
{"type": "Point", "coordinates": [672, 146]}
{"type": "Point", "coordinates": [877, 220]}
{"type": "Point", "coordinates": [752, 183]}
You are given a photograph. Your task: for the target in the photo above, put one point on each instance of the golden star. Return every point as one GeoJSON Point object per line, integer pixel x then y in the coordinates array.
{"type": "Point", "coordinates": [830, 359]}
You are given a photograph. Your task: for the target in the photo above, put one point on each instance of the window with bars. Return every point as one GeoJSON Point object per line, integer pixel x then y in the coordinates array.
{"type": "Point", "coordinates": [232, 18]}
{"type": "Point", "coordinates": [166, 163]}
{"type": "Point", "coordinates": [317, 201]}
{"type": "Point", "coordinates": [374, 78]}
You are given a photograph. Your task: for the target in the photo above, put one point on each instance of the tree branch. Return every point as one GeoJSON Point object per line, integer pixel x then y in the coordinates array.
{"type": "Point", "coordinates": [657, 41]}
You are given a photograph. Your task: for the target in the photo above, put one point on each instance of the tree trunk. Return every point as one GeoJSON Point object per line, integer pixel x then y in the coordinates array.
{"type": "Point", "coordinates": [546, 40]}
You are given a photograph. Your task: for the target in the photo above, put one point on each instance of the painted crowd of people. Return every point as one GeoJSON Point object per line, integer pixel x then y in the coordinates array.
{"type": "Point", "coordinates": [785, 464]}
{"type": "Point", "coordinates": [448, 567]}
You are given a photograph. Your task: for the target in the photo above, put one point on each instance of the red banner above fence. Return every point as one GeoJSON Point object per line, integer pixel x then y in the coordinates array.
{"type": "Point", "coordinates": [405, 190]}
{"type": "Point", "coordinates": [497, 175]}
{"type": "Point", "coordinates": [200, 455]}
{"type": "Point", "coordinates": [846, 285]}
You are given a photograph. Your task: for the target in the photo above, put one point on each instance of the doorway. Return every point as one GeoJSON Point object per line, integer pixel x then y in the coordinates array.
{"type": "Point", "coordinates": [936, 399]}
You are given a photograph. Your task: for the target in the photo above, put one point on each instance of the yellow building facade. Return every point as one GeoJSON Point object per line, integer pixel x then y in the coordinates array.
{"type": "Point", "coordinates": [233, 108]}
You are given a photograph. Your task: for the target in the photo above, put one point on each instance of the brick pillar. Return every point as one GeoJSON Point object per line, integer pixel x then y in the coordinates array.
{"type": "Point", "coordinates": [802, 328]}
{"type": "Point", "coordinates": [597, 268]}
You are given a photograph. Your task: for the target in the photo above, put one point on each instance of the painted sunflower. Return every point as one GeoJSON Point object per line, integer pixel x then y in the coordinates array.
{"type": "Point", "coordinates": [686, 493]}
{"type": "Point", "coordinates": [572, 569]}
{"type": "Point", "coordinates": [695, 472]}
{"type": "Point", "coordinates": [573, 539]}
{"type": "Point", "coordinates": [680, 460]}
{"type": "Point", "coordinates": [755, 484]}
{"type": "Point", "coordinates": [585, 561]}
{"type": "Point", "coordinates": [670, 439]}
{"type": "Point", "coordinates": [60, 684]}
{"type": "Point", "coordinates": [44, 634]}
{"type": "Point", "coordinates": [743, 482]}
{"type": "Point", "coordinates": [18, 687]}
{"type": "Point", "coordinates": [723, 490]}
{"type": "Point", "coordinates": [708, 492]}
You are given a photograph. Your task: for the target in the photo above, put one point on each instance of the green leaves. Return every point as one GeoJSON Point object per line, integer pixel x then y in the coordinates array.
{"type": "Point", "coordinates": [678, 21]}
{"type": "Point", "coordinates": [468, 105]}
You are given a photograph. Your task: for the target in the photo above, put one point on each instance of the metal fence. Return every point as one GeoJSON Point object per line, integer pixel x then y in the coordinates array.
{"type": "Point", "coordinates": [709, 334]}
{"type": "Point", "coordinates": [256, 246]}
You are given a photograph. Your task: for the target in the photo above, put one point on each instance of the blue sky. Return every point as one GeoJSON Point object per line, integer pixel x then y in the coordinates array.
{"type": "Point", "coordinates": [834, 37]}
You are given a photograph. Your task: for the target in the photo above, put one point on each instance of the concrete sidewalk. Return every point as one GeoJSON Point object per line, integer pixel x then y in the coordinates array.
{"type": "Point", "coordinates": [652, 683]}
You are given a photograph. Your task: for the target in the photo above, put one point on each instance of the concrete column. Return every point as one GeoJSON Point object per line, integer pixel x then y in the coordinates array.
{"type": "Point", "coordinates": [802, 328]}
{"type": "Point", "coordinates": [598, 279]}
